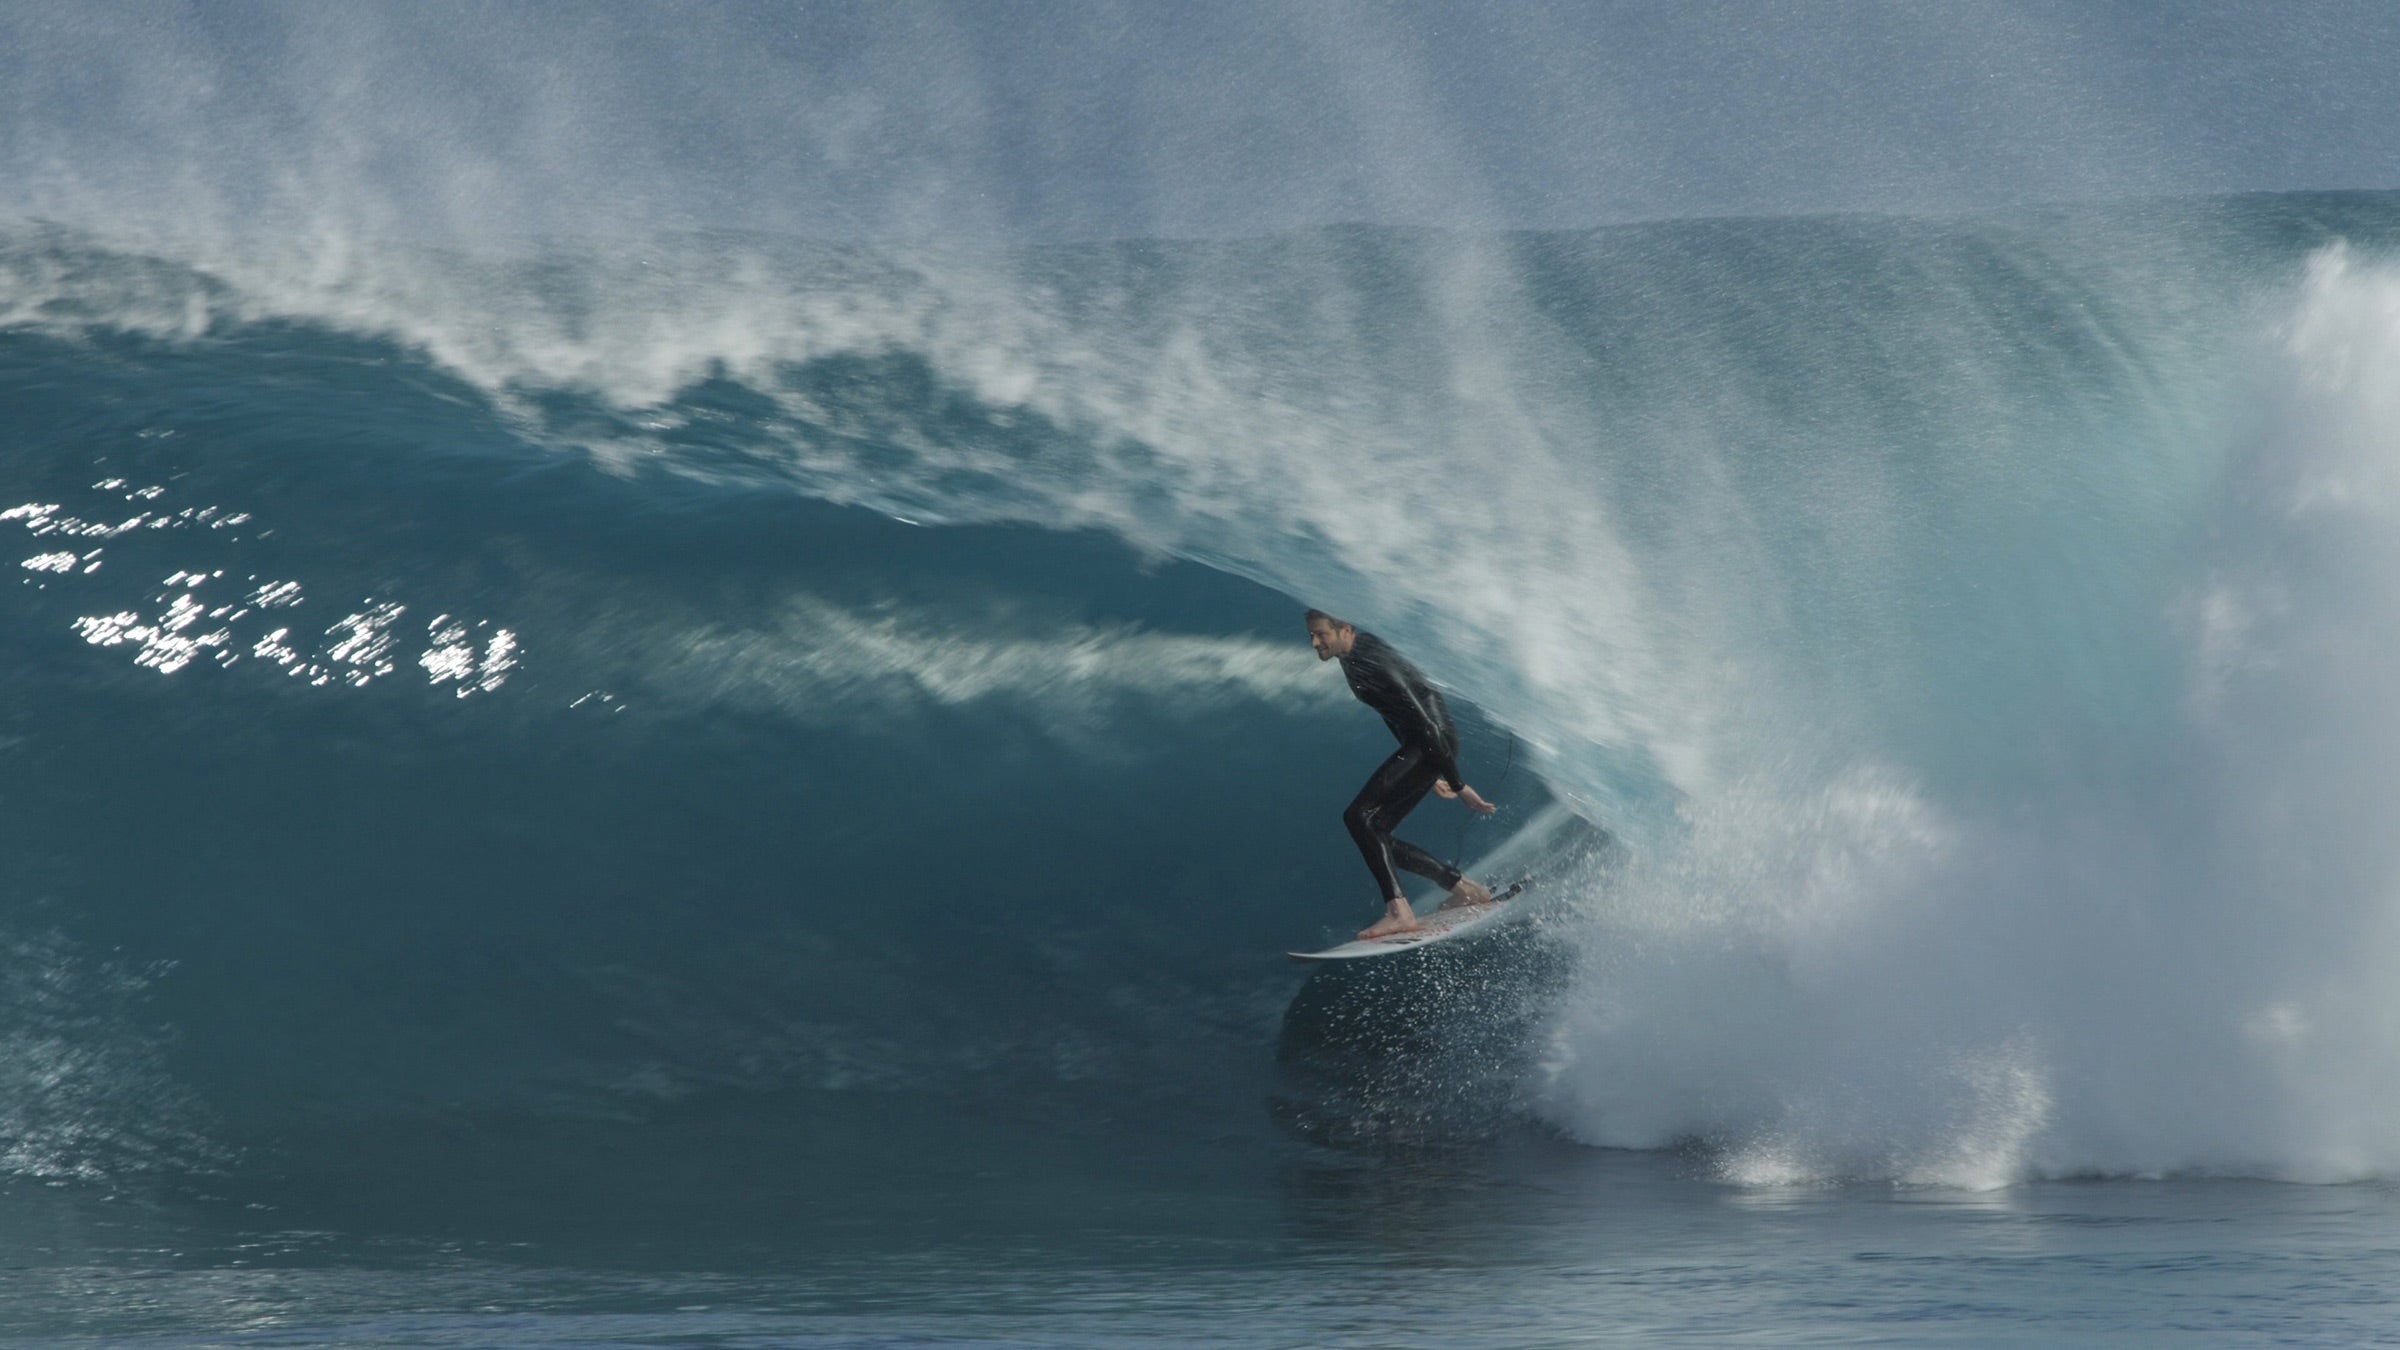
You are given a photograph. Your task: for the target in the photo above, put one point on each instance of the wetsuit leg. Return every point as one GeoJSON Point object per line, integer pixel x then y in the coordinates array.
{"type": "Point", "coordinates": [1413, 859]}
{"type": "Point", "coordinates": [1393, 791]}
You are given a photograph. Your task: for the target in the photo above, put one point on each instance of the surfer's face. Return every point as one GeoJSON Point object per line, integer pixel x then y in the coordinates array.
{"type": "Point", "coordinates": [1330, 639]}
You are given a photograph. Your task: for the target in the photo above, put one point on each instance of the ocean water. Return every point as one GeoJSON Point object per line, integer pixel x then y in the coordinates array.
{"type": "Point", "coordinates": [715, 789]}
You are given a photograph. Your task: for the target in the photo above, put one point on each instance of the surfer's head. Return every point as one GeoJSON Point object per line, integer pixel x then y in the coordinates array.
{"type": "Point", "coordinates": [1329, 635]}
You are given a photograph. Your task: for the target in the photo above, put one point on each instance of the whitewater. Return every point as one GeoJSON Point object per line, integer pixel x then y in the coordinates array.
{"type": "Point", "coordinates": [717, 784]}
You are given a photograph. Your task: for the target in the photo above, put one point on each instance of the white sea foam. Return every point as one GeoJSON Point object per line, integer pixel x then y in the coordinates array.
{"type": "Point", "coordinates": [2178, 964]}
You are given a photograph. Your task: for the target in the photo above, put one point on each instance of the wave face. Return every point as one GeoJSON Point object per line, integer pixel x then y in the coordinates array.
{"type": "Point", "coordinates": [594, 683]}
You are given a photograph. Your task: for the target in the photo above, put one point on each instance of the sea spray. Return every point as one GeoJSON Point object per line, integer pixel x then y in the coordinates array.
{"type": "Point", "coordinates": [2155, 956]}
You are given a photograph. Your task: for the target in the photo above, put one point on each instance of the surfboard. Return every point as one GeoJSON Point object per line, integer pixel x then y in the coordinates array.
{"type": "Point", "coordinates": [1442, 925]}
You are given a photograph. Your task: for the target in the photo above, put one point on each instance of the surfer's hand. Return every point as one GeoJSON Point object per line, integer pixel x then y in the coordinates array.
{"type": "Point", "coordinates": [1443, 790]}
{"type": "Point", "coordinates": [1475, 802]}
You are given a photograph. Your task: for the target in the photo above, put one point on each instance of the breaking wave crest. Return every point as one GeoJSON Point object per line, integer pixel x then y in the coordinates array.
{"type": "Point", "coordinates": [587, 678]}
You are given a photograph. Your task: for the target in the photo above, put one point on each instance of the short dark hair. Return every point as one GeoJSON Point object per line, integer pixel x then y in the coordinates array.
{"type": "Point", "coordinates": [1315, 614]}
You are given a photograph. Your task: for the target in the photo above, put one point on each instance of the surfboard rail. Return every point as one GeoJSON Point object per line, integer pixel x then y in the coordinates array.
{"type": "Point", "coordinates": [1442, 925]}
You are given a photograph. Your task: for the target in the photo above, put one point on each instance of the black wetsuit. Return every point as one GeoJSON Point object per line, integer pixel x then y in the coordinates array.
{"type": "Point", "coordinates": [1386, 682]}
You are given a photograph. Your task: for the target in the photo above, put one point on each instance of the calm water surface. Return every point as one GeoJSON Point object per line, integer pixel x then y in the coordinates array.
{"type": "Point", "coordinates": [1534, 1243]}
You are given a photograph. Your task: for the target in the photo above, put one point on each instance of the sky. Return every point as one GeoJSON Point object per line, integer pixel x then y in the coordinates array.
{"type": "Point", "coordinates": [1032, 119]}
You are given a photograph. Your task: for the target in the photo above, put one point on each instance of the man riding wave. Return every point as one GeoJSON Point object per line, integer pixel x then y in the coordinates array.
{"type": "Point", "coordinates": [1427, 760]}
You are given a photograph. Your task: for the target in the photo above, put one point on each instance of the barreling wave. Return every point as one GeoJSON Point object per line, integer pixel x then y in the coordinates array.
{"type": "Point", "coordinates": [585, 678]}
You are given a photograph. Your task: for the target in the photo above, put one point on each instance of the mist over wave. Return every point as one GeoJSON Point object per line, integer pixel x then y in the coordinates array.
{"type": "Point", "coordinates": [2158, 946]}
{"type": "Point", "coordinates": [1975, 628]}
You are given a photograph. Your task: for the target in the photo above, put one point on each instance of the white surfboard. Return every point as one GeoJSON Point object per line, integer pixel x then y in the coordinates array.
{"type": "Point", "coordinates": [1442, 925]}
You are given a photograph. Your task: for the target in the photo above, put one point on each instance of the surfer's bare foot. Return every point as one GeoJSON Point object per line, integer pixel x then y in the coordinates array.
{"type": "Point", "coordinates": [1397, 918]}
{"type": "Point", "coordinates": [1468, 891]}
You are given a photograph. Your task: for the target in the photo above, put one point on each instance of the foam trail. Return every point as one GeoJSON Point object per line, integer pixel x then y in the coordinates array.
{"type": "Point", "coordinates": [823, 664]}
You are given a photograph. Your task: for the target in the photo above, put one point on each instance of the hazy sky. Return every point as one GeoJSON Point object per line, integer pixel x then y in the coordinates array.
{"type": "Point", "coordinates": [1063, 120]}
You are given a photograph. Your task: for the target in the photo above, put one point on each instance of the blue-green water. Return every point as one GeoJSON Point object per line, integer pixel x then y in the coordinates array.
{"type": "Point", "coordinates": [1523, 1243]}
{"type": "Point", "coordinates": [732, 791]}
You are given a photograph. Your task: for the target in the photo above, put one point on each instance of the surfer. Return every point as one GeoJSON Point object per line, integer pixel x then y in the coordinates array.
{"type": "Point", "coordinates": [1426, 760]}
